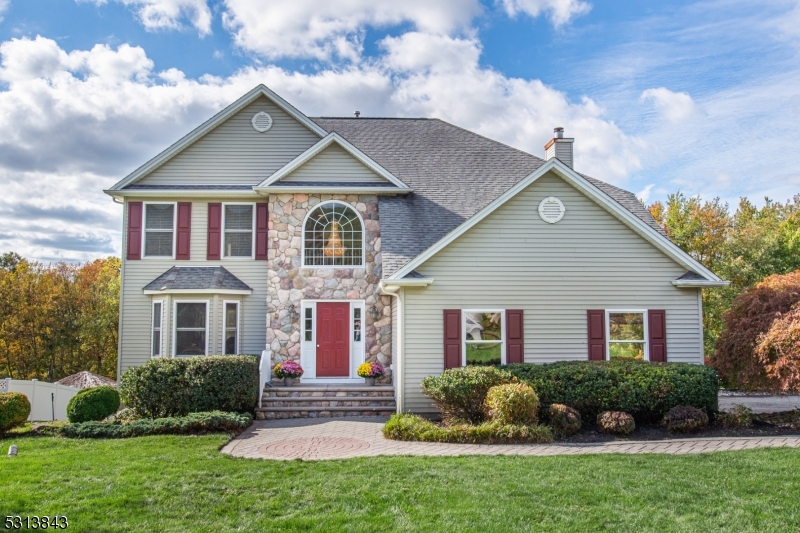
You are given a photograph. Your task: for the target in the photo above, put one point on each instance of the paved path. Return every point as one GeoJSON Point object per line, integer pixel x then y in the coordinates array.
{"type": "Point", "coordinates": [361, 437]}
{"type": "Point", "coordinates": [761, 404]}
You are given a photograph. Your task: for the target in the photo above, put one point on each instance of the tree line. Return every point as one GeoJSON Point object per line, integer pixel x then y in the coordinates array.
{"type": "Point", "coordinates": [58, 319]}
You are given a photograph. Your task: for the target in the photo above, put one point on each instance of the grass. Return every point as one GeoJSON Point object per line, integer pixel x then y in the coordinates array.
{"type": "Point", "coordinates": [483, 354]}
{"type": "Point", "coordinates": [183, 484]}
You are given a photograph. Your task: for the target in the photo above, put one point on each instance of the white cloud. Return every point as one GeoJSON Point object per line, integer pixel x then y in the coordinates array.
{"type": "Point", "coordinates": [559, 12]}
{"type": "Point", "coordinates": [326, 30]}
{"type": "Point", "coordinates": [3, 7]}
{"type": "Point", "coordinates": [644, 194]}
{"type": "Point", "coordinates": [168, 14]}
{"type": "Point", "coordinates": [675, 107]}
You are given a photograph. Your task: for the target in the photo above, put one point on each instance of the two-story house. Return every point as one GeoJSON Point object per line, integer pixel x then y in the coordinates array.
{"type": "Point", "coordinates": [413, 242]}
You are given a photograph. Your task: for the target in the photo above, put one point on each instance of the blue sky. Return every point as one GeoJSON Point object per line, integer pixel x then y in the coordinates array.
{"type": "Point", "coordinates": [702, 97]}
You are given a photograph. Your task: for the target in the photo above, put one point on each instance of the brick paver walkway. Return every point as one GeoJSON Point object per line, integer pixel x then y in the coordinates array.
{"type": "Point", "coordinates": [361, 437]}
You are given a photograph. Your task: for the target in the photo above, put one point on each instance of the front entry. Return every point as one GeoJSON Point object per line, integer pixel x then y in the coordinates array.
{"type": "Point", "coordinates": [333, 339]}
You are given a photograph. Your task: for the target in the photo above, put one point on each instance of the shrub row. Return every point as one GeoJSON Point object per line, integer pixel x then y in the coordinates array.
{"type": "Point", "coordinates": [93, 404]}
{"type": "Point", "coordinates": [460, 393]}
{"type": "Point", "coordinates": [175, 387]}
{"type": "Point", "coordinates": [192, 424]}
{"type": "Point", "coordinates": [643, 389]}
{"type": "Point", "coordinates": [410, 427]}
{"type": "Point", "coordinates": [14, 410]}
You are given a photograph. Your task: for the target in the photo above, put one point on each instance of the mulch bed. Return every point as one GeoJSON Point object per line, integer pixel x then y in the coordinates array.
{"type": "Point", "coordinates": [764, 425]}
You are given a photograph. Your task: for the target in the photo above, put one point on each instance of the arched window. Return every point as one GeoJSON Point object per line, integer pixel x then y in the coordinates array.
{"type": "Point", "coordinates": [333, 236]}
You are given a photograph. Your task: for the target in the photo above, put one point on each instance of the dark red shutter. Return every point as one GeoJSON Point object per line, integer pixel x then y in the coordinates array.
{"type": "Point", "coordinates": [214, 244]}
{"type": "Point", "coordinates": [515, 341]}
{"type": "Point", "coordinates": [262, 231]}
{"type": "Point", "coordinates": [452, 338]}
{"type": "Point", "coordinates": [657, 331]}
{"type": "Point", "coordinates": [183, 238]}
{"type": "Point", "coordinates": [596, 324]}
{"type": "Point", "coordinates": [134, 230]}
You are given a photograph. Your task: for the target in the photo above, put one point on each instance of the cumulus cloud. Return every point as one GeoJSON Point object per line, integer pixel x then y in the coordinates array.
{"type": "Point", "coordinates": [644, 194]}
{"type": "Point", "coordinates": [168, 14]}
{"type": "Point", "coordinates": [675, 107]}
{"type": "Point", "coordinates": [559, 12]}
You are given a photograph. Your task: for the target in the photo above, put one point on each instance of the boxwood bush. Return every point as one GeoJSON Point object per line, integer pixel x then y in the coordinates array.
{"type": "Point", "coordinates": [191, 424]}
{"type": "Point", "coordinates": [14, 410]}
{"type": "Point", "coordinates": [643, 389]}
{"type": "Point", "coordinates": [95, 403]}
{"type": "Point", "coordinates": [459, 393]}
{"type": "Point", "coordinates": [512, 403]}
{"type": "Point", "coordinates": [175, 387]}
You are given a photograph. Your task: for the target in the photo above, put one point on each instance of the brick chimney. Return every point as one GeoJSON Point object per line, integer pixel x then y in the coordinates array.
{"type": "Point", "coordinates": [559, 147]}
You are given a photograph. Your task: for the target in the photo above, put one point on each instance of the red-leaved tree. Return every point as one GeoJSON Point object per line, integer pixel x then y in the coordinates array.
{"type": "Point", "coordinates": [779, 349]}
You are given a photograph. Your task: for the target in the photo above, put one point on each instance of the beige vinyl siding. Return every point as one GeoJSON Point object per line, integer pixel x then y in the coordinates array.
{"type": "Point", "coordinates": [235, 153]}
{"type": "Point", "coordinates": [135, 316]}
{"type": "Point", "coordinates": [555, 273]}
{"type": "Point", "coordinates": [334, 165]}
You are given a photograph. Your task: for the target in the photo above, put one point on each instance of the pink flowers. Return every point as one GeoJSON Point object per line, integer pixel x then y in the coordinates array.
{"type": "Point", "coordinates": [288, 369]}
{"type": "Point", "coordinates": [370, 370]}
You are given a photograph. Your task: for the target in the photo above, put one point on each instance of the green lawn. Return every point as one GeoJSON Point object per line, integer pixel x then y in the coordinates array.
{"type": "Point", "coordinates": [184, 484]}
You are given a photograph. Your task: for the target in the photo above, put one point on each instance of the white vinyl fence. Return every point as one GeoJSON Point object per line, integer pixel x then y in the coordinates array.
{"type": "Point", "coordinates": [48, 400]}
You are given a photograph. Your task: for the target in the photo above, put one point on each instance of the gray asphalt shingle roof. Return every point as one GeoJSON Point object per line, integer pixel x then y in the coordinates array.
{"type": "Point", "coordinates": [454, 174]}
{"type": "Point", "coordinates": [188, 278]}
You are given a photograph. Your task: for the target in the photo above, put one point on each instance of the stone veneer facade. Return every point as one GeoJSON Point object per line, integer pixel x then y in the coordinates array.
{"type": "Point", "coordinates": [289, 282]}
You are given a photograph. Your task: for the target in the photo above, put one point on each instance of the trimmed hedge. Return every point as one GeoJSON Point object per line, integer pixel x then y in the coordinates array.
{"type": "Point", "coordinates": [408, 427]}
{"type": "Point", "coordinates": [192, 424]}
{"type": "Point", "coordinates": [643, 389]}
{"type": "Point", "coordinates": [176, 387]}
{"type": "Point", "coordinates": [459, 393]}
{"type": "Point", "coordinates": [93, 404]}
{"type": "Point", "coordinates": [15, 408]}
{"type": "Point", "coordinates": [564, 420]}
{"type": "Point", "coordinates": [512, 403]}
{"type": "Point", "coordinates": [685, 419]}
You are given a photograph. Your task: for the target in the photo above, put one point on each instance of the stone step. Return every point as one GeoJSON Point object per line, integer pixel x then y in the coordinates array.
{"type": "Point", "coordinates": [271, 413]}
{"type": "Point", "coordinates": [322, 392]}
{"type": "Point", "coordinates": [328, 401]}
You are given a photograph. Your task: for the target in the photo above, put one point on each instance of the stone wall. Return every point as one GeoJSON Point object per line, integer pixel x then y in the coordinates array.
{"type": "Point", "coordinates": [289, 282]}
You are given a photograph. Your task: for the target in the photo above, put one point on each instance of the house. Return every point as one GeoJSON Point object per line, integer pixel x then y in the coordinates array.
{"type": "Point", "coordinates": [413, 242]}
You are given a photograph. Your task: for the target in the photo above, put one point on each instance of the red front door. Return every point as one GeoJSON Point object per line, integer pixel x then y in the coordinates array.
{"type": "Point", "coordinates": [333, 339]}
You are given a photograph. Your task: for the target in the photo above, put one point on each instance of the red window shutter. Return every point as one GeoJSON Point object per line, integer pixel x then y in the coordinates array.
{"type": "Point", "coordinates": [262, 231]}
{"type": "Point", "coordinates": [596, 324]}
{"type": "Point", "coordinates": [214, 245]}
{"type": "Point", "coordinates": [452, 338]}
{"type": "Point", "coordinates": [134, 230]}
{"type": "Point", "coordinates": [657, 333]}
{"type": "Point", "coordinates": [515, 352]}
{"type": "Point", "coordinates": [183, 238]}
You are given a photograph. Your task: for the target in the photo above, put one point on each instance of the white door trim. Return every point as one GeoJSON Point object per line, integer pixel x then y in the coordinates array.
{"type": "Point", "coordinates": [308, 348]}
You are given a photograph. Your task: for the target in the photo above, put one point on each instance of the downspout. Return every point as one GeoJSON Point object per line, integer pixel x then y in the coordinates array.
{"type": "Point", "coordinates": [395, 291]}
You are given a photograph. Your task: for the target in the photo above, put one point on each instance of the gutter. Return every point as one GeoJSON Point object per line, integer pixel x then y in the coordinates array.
{"type": "Point", "coordinates": [699, 284]}
{"type": "Point", "coordinates": [396, 291]}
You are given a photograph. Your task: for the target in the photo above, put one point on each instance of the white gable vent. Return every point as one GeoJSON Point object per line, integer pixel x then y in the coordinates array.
{"type": "Point", "coordinates": [551, 210]}
{"type": "Point", "coordinates": [261, 121]}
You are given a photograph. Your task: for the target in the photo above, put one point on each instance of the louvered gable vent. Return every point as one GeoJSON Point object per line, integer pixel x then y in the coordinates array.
{"type": "Point", "coordinates": [551, 210]}
{"type": "Point", "coordinates": [261, 121]}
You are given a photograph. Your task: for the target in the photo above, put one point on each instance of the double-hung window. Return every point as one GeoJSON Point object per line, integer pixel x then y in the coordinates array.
{"type": "Point", "coordinates": [231, 333]}
{"type": "Point", "coordinates": [158, 315]}
{"type": "Point", "coordinates": [238, 224]}
{"type": "Point", "coordinates": [191, 328]}
{"type": "Point", "coordinates": [483, 337]}
{"type": "Point", "coordinates": [159, 230]}
{"type": "Point", "coordinates": [627, 335]}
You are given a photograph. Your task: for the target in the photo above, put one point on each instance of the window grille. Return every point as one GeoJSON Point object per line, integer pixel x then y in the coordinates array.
{"type": "Point", "coordinates": [333, 237]}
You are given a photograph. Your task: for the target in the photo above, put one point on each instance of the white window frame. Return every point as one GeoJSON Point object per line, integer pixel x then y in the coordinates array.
{"type": "Point", "coordinates": [175, 323]}
{"type": "Point", "coordinates": [645, 320]}
{"type": "Point", "coordinates": [252, 233]}
{"type": "Point", "coordinates": [464, 341]}
{"type": "Point", "coordinates": [174, 230]}
{"type": "Point", "coordinates": [160, 329]}
{"type": "Point", "coordinates": [225, 303]}
{"type": "Point", "coordinates": [303, 239]}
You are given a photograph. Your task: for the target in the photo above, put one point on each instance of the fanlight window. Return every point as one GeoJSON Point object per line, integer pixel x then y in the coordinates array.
{"type": "Point", "coordinates": [333, 236]}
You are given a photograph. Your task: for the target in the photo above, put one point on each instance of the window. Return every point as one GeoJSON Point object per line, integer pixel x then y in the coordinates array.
{"type": "Point", "coordinates": [238, 224]}
{"type": "Point", "coordinates": [158, 316]}
{"type": "Point", "coordinates": [483, 337]}
{"type": "Point", "coordinates": [332, 236]}
{"type": "Point", "coordinates": [356, 324]}
{"type": "Point", "coordinates": [627, 335]}
{"type": "Point", "coordinates": [159, 233]}
{"type": "Point", "coordinates": [191, 325]}
{"type": "Point", "coordinates": [308, 324]}
{"type": "Point", "coordinates": [231, 333]}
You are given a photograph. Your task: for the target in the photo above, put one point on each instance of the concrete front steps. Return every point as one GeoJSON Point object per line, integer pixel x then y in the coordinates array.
{"type": "Point", "coordinates": [326, 401]}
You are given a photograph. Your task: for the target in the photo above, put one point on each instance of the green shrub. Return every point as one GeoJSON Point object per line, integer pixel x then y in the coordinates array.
{"type": "Point", "coordinates": [512, 403]}
{"type": "Point", "coordinates": [14, 410]}
{"type": "Point", "coordinates": [737, 417]}
{"type": "Point", "coordinates": [685, 419]}
{"type": "Point", "coordinates": [615, 423]}
{"type": "Point", "coordinates": [408, 427]}
{"type": "Point", "coordinates": [564, 420]}
{"type": "Point", "coordinates": [127, 415]}
{"type": "Point", "coordinates": [175, 387]}
{"type": "Point", "coordinates": [91, 404]}
{"type": "Point", "coordinates": [459, 393]}
{"type": "Point", "coordinates": [643, 389]}
{"type": "Point", "coordinates": [191, 424]}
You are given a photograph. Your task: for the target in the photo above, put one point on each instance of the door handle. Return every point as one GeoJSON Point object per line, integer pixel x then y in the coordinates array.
{"type": "Point", "coordinates": [317, 345]}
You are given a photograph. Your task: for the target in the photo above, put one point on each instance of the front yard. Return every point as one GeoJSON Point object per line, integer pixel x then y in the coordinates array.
{"type": "Point", "coordinates": [184, 484]}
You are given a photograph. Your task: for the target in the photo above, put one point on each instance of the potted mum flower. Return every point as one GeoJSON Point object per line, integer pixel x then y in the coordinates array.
{"type": "Point", "coordinates": [288, 370]}
{"type": "Point", "coordinates": [370, 371]}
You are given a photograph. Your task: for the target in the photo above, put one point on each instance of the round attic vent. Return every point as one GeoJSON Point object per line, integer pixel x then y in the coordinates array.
{"type": "Point", "coordinates": [261, 121]}
{"type": "Point", "coordinates": [551, 210]}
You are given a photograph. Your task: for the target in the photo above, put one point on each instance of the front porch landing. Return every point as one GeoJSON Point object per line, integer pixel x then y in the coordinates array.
{"type": "Point", "coordinates": [326, 401]}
